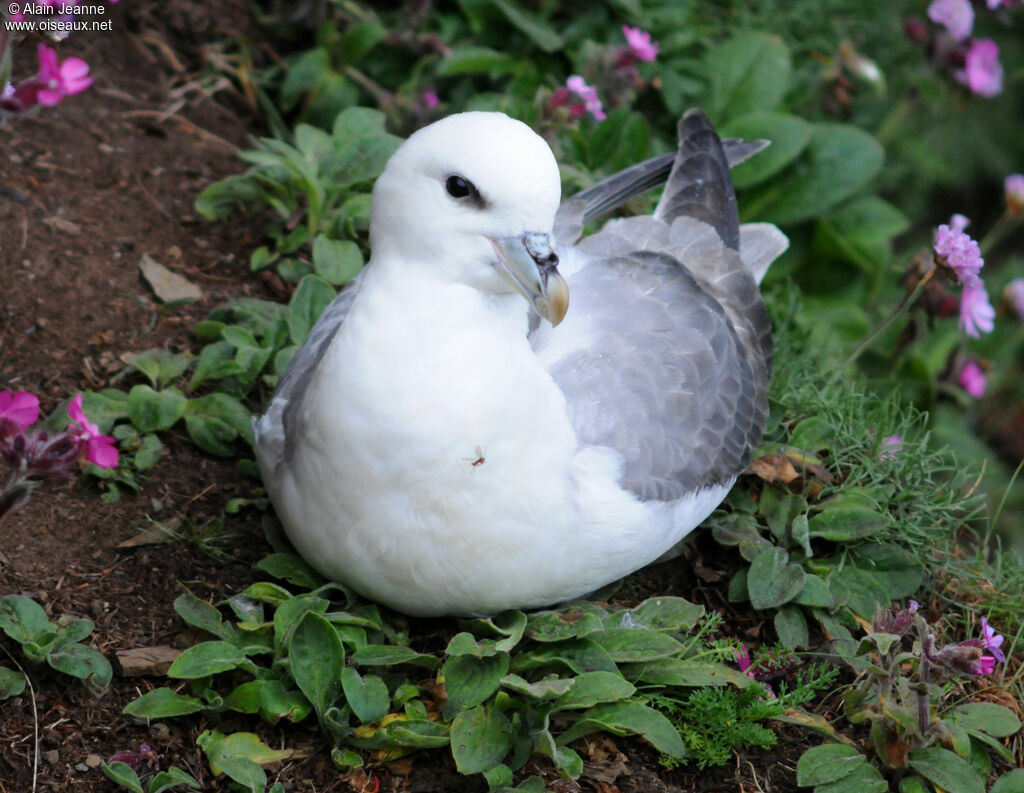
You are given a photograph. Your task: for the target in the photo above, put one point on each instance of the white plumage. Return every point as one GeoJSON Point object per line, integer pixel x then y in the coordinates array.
{"type": "Point", "coordinates": [429, 450]}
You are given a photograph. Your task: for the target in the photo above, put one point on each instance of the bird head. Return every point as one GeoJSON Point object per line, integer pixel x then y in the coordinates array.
{"type": "Point", "coordinates": [473, 198]}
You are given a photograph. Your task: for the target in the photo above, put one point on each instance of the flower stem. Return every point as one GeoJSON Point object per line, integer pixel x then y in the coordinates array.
{"type": "Point", "coordinates": [872, 337]}
{"type": "Point", "coordinates": [1006, 223]}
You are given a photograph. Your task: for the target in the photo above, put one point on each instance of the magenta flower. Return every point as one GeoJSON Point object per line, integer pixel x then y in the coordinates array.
{"type": "Point", "coordinates": [1014, 294]}
{"type": "Point", "coordinates": [972, 379]}
{"type": "Point", "coordinates": [429, 99]}
{"type": "Point", "coordinates": [588, 94]}
{"type": "Point", "coordinates": [976, 313]}
{"type": "Point", "coordinates": [958, 251]}
{"type": "Point", "coordinates": [640, 43]}
{"type": "Point", "coordinates": [892, 446]}
{"type": "Point", "coordinates": [982, 72]}
{"type": "Point", "coordinates": [957, 16]}
{"type": "Point", "coordinates": [100, 449]}
{"type": "Point", "coordinates": [58, 81]}
{"type": "Point", "coordinates": [19, 408]}
{"type": "Point", "coordinates": [993, 641]}
{"type": "Point", "coordinates": [1014, 187]}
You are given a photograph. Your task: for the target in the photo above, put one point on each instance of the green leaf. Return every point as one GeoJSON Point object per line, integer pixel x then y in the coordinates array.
{"type": "Point", "coordinates": [12, 683]}
{"type": "Point", "coordinates": [82, 662]}
{"type": "Point", "coordinates": [22, 618]}
{"type": "Point", "coordinates": [545, 689]}
{"type": "Point", "coordinates": [510, 625]}
{"type": "Point", "coordinates": [788, 134]}
{"type": "Point", "coordinates": [171, 778]}
{"type": "Point", "coordinates": [987, 717]}
{"type": "Point", "coordinates": [828, 763]}
{"type": "Point", "coordinates": [302, 75]}
{"type": "Point", "coordinates": [245, 698]}
{"type": "Point", "coordinates": [591, 688]}
{"type": "Point", "coordinates": [847, 523]}
{"type": "Point", "coordinates": [291, 568]}
{"type": "Point", "coordinates": [945, 770]}
{"type": "Point", "coordinates": [161, 703]}
{"type": "Point", "coordinates": [1010, 782]}
{"type": "Point", "coordinates": [313, 295]}
{"type": "Point", "coordinates": [336, 261]}
{"type": "Point", "coordinates": [367, 696]}
{"type": "Point", "coordinates": [559, 626]}
{"type": "Point", "coordinates": [470, 680]}
{"type": "Point", "coordinates": [215, 421]}
{"type": "Point", "coordinates": [206, 658]}
{"type": "Point", "coordinates": [670, 614]}
{"type": "Point", "coordinates": [774, 580]}
{"type": "Point", "coordinates": [151, 410]}
{"type": "Point", "coordinates": [475, 60]}
{"type": "Point", "coordinates": [402, 732]}
{"type": "Point", "coordinates": [105, 407]}
{"type": "Point", "coordinates": [675, 672]}
{"type": "Point", "coordinates": [791, 627]}
{"type": "Point", "coordinates": [391, 655]}
{"type": "Point", "coordinates": [535, 28]}
{"type": "Point", "coordinates": [578, 655]}
{"type": "Point", "coordinates": [748, 73]}
{"type": "Point", "coordinates": [631, 645]}
{"type": "Point", "coordinates": [480, 739]}
{"type": "Point", "coordinates": [240, 756]}
{"type": "Point", "coordinates": [200, 614]}
{"type": "Point", "coordinates": [317, 658]}
{"type": "Point", "coordinates": [839, 161]}
{"type": "Point", "coordinates": [277, 702]}
{"type": "Point", "coordinates": [624, 718]}
{"type": "Point", "coordinates": [160, 366]}
{"type": "Point", "coordinates": [123, 775]}
{"type": "Point", "coordinates": [813, 434]}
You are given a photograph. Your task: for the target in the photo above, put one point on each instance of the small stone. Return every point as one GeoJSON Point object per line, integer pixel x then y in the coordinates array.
{"type": "Point", "coordinates": [52, 756]}
{"type": "Point", "coordinates": [93, 761]}
{"type": "Point", "coordinates": [81, 767]}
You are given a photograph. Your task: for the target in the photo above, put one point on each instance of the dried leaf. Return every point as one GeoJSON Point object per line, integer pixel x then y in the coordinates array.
{"type": "Point", "coordinates": [141, 661]}
{"type": "Point", "coordinates": [166, 285]}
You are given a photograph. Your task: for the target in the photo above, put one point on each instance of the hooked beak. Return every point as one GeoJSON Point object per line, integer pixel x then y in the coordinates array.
{"type": "Point", "coordinates": [530, 263]}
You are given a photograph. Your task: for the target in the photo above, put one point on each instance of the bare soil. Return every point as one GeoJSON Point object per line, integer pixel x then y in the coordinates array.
{"type": "Point", "coordinates": [86, 189]}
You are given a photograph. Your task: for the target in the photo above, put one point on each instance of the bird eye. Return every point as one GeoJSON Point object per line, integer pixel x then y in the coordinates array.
{"type": "Point", "coordinates": [458, 187]}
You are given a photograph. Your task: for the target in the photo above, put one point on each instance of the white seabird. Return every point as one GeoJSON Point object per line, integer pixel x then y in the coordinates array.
{"type": "Point", "coordinates": [439, 450]}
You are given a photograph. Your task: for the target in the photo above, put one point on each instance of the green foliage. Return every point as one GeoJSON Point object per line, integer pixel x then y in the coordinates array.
{"type": "Point", "coordinates": [58, 645]}
{"type": "Point", "coordinates": [317, 185]}
{"type": "Point", "coordinates": [505, 687]}
{"type": "Point", "coordinates": [124, 775]}
{"type": "Point", "coordinates": [715, 722]}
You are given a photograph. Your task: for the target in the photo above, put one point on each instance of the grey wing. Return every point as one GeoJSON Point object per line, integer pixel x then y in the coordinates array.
{"type": "Point", "coordinates": [652, 367]}
{"type": "Point", "coordinates": [273, 429]}
{"type": "Point", "coordinates": [665, 355]}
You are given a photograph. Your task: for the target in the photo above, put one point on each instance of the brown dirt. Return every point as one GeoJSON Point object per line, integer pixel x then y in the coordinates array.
{"type": "Point", "coordinates": [87, 188]}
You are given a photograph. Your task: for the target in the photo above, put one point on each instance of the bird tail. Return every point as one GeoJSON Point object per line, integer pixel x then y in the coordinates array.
{"type": "Point", "coordinates": [699, 185]}
{"type": "Point", "coordinates": [611, 193]}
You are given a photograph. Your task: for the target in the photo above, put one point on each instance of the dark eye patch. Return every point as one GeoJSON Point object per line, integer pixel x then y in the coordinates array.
{"type": "Point", "coordinates": [461, 189]}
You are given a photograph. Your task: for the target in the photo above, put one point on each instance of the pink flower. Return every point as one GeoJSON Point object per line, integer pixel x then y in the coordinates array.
{"type": "Point", "coordinates": [100, 448]}
{"type": "Point", "coordinates": [976, 313]}
{"type": "Point", "coordinates": [958, 251]}
{"type": "Point", "coordinates": [19, 407]}
{"type": "Point", "coordinates": [588, 94]}
{"type": "Point", "coordinates": [1014, 187]}
{"type": "Point", "coordinates": [70, 77]}
{"type": "Point", "coordinates": [957, 16]}
{"type": "Point", "coordinates": [640, 43]}
{"type": "Point", "coordinates": [993, 641]}
{"type": "Point", "coordinates": [982, 72]}
{"type": "Point", "coordinates": [429, 99]}
{"type": "Point", "coordinates": [892, 446]}
{"type": "Point", "coordinates": [1014, 293]}
{"type": "Point", "coordinates": [972, 379]}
